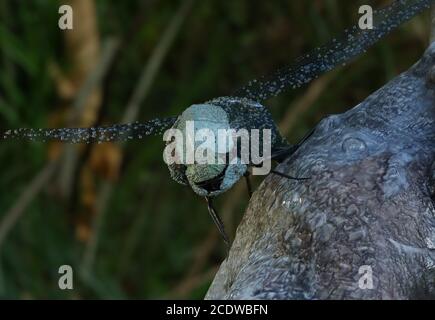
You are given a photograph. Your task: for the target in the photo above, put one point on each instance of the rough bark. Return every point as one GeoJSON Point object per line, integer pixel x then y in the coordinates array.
{"type": "Point", "coordinates": [370, 202]}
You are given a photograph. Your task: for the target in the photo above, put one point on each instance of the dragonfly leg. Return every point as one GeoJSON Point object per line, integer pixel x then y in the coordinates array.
{"type": "Point", "coordinates": [248, 183]}
{"type": "Point", "coordinates": [279, 155]}
{"type": "Point", "coordinates": [217, 220]}
{"type": "Point", "coordinates": [287, 176]}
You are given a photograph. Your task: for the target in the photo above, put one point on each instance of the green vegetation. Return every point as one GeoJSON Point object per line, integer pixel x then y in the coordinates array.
{"type": "Point", "coordinates": [155, 238]}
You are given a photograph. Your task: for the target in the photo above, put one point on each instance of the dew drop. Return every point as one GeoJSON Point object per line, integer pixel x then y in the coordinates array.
{"type": "Point", "coordinates": [430, 242]}
{"type": "Point", "coordinates": [354, 146]}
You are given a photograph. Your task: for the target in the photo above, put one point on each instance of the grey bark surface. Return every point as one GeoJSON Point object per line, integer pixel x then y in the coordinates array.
{"type": "Point", "coordinates": [370, 202]}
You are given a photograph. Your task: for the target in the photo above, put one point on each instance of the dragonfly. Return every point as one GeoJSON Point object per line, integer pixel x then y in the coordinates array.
{"type": "Point", "coordinates": [243, 109]}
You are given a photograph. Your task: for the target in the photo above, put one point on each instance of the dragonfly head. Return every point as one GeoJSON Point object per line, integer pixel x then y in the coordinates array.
{"type": "Point", "coordinates": [202, 150]}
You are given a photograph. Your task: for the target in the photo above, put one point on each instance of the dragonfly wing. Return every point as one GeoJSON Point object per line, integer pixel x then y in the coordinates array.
{"type": "Point", "coordinates": [118, 132]}
{"type": "Point", "coordinates": [338, 51]}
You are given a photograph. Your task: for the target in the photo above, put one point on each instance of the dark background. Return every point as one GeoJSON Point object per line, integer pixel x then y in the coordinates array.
{"type": "Point", "coordinates": [113, 213]}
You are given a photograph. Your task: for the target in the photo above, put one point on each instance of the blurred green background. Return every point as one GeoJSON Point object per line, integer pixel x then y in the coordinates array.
{"type": "Point", "coordinates": [112, 212]}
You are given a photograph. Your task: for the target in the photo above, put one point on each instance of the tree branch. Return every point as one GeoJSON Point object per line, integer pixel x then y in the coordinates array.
{"type": "Point", "coordinates": [369, 207]}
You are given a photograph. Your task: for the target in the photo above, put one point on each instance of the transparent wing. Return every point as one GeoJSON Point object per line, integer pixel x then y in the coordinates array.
{"type": "Point", "coordinates": [350, 44]}
{"type": "Point", "coordinates": [118, 132]}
